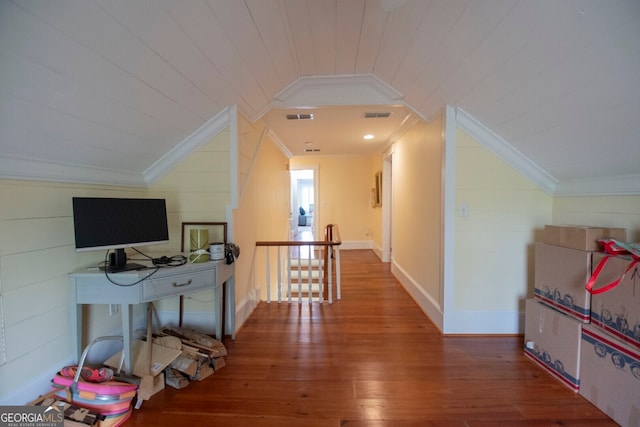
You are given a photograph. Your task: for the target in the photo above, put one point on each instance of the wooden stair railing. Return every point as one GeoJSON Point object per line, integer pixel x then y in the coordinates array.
{"type": "Point", "coordinates": [318, 271]}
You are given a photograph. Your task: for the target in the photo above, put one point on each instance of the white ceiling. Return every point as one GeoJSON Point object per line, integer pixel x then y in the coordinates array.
{"type": "Point", "coordinates": [111, 86]}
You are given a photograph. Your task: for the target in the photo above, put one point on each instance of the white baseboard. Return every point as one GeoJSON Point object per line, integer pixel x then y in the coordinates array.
{"type": "Point", "coordinates": [427, 304]}
{"type": "Point", "coordinates": [36, 386]}
{"type": "Point", "coordinates": [452, 322]}
{"type": "Point", "coordinates": [484, 323]}
{"type": "Point", "coordinates": [356, 244]}
{"type": "Point", "coordinates": [246, 307]}
{"type": "Point", "coordinates": [202, 321]}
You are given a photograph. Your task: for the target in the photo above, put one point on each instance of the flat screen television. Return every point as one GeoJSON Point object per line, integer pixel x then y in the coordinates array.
{"type": "Point", "coordinates": [118, 223]}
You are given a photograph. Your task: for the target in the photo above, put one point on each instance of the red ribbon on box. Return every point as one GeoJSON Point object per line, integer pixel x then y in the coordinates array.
{"type": "Point", "coordinates": [613, 248]}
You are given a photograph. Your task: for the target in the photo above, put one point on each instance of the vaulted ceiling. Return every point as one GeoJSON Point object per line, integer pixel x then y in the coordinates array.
{"type": "Point", "coordinates": [109, 87]}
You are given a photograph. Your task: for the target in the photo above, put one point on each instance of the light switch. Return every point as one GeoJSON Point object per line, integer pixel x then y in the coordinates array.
{"type": "Point", "coordinates": [464, 209]}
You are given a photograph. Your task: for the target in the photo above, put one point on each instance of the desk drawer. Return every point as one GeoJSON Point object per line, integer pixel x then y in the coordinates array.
{"type": "Point", "coordinates": [155, 288]}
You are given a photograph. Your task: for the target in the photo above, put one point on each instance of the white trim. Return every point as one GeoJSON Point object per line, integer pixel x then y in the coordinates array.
{"type": "Point", "coordinates": [316, 195]}
{"type": "Point", "coordinates": [314, 91]}
{"type": "Point", "coordinates": [448, 218]}
{"type": "Point", "coordinates": [32, 169]}
{"type": "Point", "coordinates": [233, 156]}
{"type": "Point", "coordinates": [387, 204]}
{"type": "Point", "coordinates": [189, 145]}
{"type": "Point", "coordinates": [279, 144]}
{"type": "Point", "coordinates": [245, 308]}
{"type": "Point", "coordinates": [200, 320]}
{"type": "Point", "coordinates": [505, 151]}
{"type": "Point", "coordinates": [622, 185]}
{"type": "Point", "coordinates": [427, 304]}
{"type": "Point", "coordinates": [356, 244]}
{"type": "Point", "coordinates": [484, 322]}
{"type": "Point", "coordinates": [376, 250]}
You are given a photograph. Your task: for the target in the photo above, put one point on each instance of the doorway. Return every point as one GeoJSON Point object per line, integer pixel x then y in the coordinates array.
{"type": "Point", "coordinates": [304, 196]}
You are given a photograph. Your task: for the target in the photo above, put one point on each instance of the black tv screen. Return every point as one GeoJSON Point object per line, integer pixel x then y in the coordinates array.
{"type": "Point", "coordinates": [116, 223]}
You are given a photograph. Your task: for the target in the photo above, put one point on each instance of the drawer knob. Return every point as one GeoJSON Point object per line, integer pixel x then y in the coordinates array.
{"type": "Point", "coordinates": [177, 285]}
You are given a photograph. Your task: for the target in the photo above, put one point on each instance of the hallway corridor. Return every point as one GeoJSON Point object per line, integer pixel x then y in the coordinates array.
{"type": "Point", "coordinates": [372, 359]}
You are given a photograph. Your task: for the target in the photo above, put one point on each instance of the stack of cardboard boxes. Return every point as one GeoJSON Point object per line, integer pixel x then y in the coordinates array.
{"type": "Point", "coordinates": [591, 343]}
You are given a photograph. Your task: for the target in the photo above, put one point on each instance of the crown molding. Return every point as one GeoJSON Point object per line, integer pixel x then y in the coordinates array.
{"type": "Point", "coordinates": [40, 170]}
{"type": "Point", "coordinates": [505, 151]}
{"type": "Point", "coordinates": [188, 146]}
{"type": "Point", "coordinates": [622, 185]}
{"type": "Point", "coordinates": [12, 167]}
{"type": "Point", "coordinates": [279, 144]}
{"type": "Point", "coordinates": [358, 89]}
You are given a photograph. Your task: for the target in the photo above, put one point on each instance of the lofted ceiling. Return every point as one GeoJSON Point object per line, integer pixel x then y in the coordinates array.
{"type": "Point", "coordinates": [103, 90]}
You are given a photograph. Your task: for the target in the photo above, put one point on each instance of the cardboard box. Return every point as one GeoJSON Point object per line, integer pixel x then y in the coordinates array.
{"type": "Point", "coordinates": [617, 311]}
{"type": "Point", "coordinates": [552, 341]}
{"type": "Point", "coordinates": [560, 278]}
{"type": "Point", "coordinates": [147, 366]}
{"type": "Point", "coordinates": [580, 237]}
{"type": "Point", "coordinates": [610, 376]}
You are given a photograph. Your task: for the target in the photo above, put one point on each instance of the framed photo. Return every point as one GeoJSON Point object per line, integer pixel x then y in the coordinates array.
{"type": "Point", "coordinates": [377, 191]}
{"type": "Point", "coordinates": [217, 232]}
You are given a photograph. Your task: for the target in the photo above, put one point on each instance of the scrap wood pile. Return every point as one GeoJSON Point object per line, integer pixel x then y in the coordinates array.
{"type": "Point", "coordinates": [201, 355]}
{"type": "Point", "coordinates": [103, 397]}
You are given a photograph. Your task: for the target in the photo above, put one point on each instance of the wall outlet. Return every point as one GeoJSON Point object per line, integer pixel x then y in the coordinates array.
{"type": "Point", "coordinates": [114, 309]}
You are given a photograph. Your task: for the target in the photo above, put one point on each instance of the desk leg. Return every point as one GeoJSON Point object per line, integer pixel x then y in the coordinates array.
{"type": "Point", "coordinates": [230, 305]}
{"type": "Point", "coordinates": [76, 325]}
{"type": "Point", "coordinates": [217, 311]}
{"type": "Point", "coordinates": [127, 335]}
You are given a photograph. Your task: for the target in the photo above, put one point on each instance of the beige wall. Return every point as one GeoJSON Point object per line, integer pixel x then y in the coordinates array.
{"type": "Point", "coordinates": [196, 190]}
{"type": "Point", "coordinates": [262, 214]}
{"type": "Point", "coordinates": [344, 187]}
{"type": "Point", "coordinates": [417, 193]}
{"type": "Point", "coordinates": [494, 241]}
{"type": "Point", "coordinates": [606, 211]}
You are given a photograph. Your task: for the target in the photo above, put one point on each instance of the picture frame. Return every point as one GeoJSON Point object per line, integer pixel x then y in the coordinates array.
{"type": "Point", "coordinates": [377, 195]}
{"type": "Point", "coordinates": [217, 233]}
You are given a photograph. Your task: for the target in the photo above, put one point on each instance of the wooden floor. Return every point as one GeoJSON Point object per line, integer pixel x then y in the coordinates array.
{"type": "Point", "coordinates": [372, 359]}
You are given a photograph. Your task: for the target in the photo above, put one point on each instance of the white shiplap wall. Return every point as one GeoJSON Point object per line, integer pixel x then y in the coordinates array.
{"type": "Point", "coordinates": [37, 252]}
{"type": "Point", "coordinates": [498, 212]}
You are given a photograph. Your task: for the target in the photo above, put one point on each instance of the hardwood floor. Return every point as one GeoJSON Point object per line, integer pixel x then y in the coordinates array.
{"type": "Point", "coordinates": [372, 359]}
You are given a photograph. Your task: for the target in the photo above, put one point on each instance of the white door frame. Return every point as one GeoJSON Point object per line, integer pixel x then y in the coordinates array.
{"type": "Point", "coordinates": [294, 210]}
{"type": "Point", "coordinates": [387, 205]}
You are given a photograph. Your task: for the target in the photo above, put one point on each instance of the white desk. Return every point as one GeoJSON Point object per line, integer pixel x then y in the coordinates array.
{"type": "Point", "coordinates": [91, 286]}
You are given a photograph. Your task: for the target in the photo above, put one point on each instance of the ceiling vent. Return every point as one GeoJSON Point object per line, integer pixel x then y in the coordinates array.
{"type": "Point", "coordinates": [308, 116]}
{"type": "Point", "coordinates": [311, 150]}
{"type": "Point", "coordinates": [376, 115]}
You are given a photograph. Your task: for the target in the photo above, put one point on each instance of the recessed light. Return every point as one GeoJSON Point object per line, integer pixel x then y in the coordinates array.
{"type": "Point", "coordinates": [368, 136]}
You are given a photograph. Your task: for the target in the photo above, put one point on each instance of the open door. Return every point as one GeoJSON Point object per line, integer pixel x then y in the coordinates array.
{"type": "Point", "coordinates": [303, 203]}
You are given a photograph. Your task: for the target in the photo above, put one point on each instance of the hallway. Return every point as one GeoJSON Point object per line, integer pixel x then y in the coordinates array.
{"type": "Point", "coordinates": [371, 359]}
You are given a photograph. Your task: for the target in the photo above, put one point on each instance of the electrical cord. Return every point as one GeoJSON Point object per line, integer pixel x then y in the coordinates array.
{"type": "Point", "coordinates": [158, 263]}
{"type": "Point", "coordinates": [165, 261]}
{"type": "Point", "coordinates": [106, 274]}
{"type": "Point", "coordinates": [174, 261]}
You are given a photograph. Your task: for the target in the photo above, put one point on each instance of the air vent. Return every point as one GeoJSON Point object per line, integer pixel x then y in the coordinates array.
{"type": "Point", "coordinates": [311, 150]}
{"type": "Point", "coordinates": [376, 115]}
{"type": "Point", "coordinates": [308, 116]}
